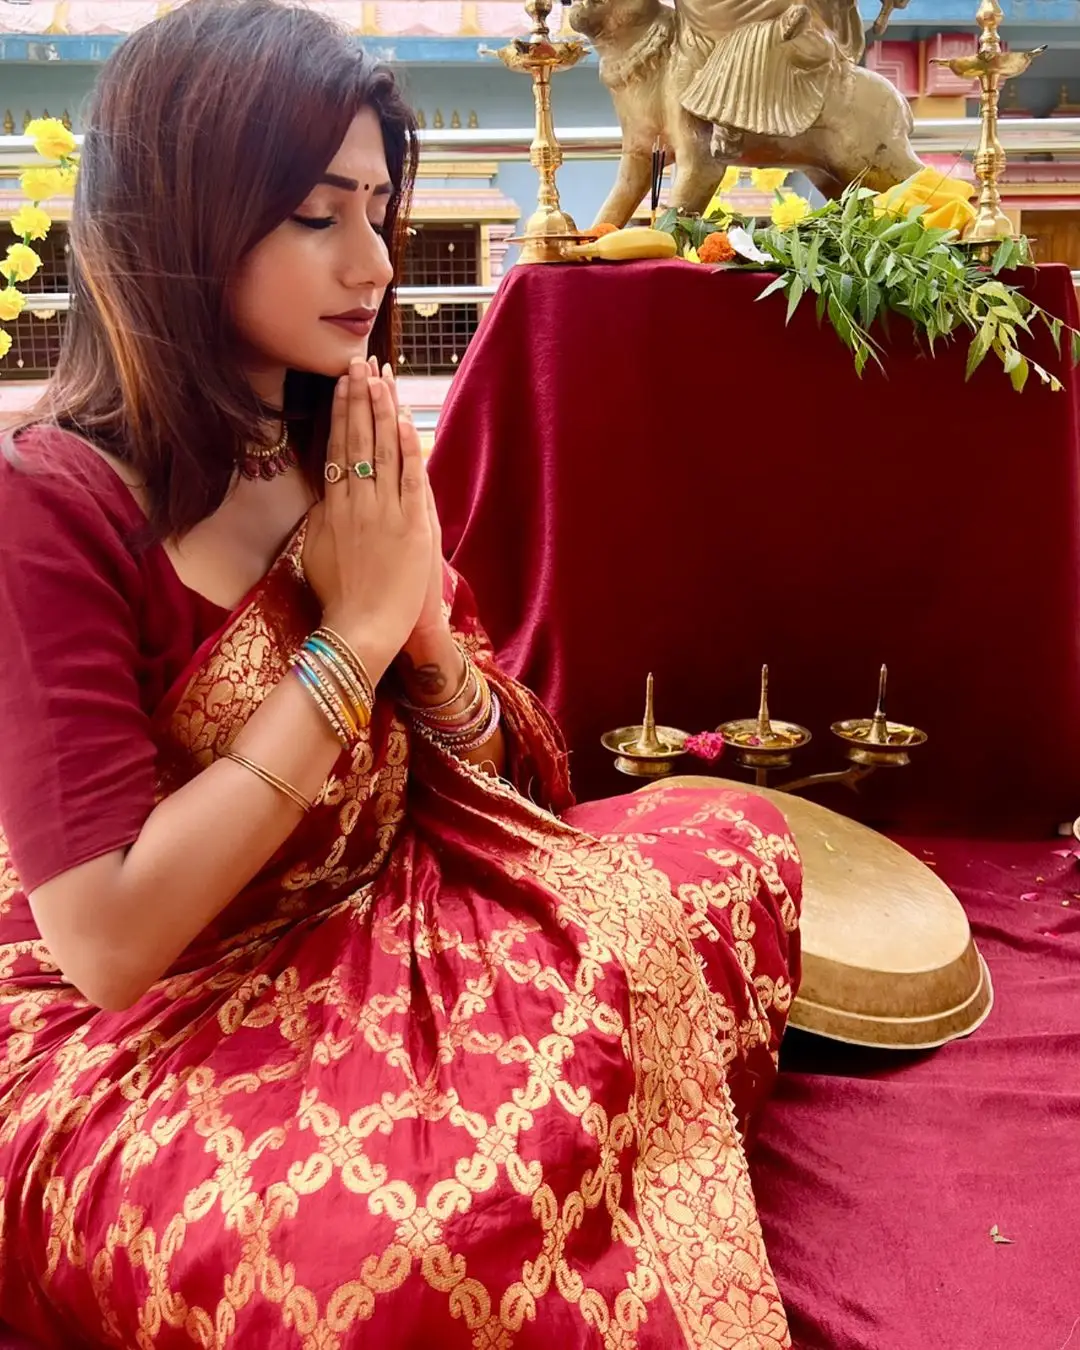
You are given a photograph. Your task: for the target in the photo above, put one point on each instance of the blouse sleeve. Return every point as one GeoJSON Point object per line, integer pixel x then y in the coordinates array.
{"type": "Point", "coordinates": [76, 753]}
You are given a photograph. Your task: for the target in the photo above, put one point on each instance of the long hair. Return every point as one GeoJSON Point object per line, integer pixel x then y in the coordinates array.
{"type": "Point", "coordinates": [206, 130]}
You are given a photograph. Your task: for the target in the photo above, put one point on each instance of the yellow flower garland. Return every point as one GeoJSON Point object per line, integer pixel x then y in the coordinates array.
{"type": "Point", "coordinates": [30, 223]}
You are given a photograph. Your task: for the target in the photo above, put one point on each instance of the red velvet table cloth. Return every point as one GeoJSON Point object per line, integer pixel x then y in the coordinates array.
{"type": "Point", "coordinates": [641, 468]}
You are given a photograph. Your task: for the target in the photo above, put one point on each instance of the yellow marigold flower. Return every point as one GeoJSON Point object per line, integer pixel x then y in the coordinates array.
{"type": "Point", "coordinates": [5, 343]}
{"type": "Point", "coordinates": [38, 185]}
{"type": "Point", "coordinates": [51, 138]}
{"type": "Point", "coordinates": [12, 303]}
{"type": "Point", "coordinates": [790, 211]}
{"type": "Point", "coordinates": [31, 222]}
{"type": "Point", "coordinates": [730, 180]}
{"type": "Point", "coordinates": [769, 180]}
{"type": "Point", "coordinates": [20, 263]}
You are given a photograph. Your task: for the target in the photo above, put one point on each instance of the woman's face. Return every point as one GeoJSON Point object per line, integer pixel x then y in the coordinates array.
{"type": "Point", "coordinates": [306, 296]}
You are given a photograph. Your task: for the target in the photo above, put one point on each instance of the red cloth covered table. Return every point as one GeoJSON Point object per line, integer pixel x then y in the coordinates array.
{"type": "Point", "coordinates": [640, 468]}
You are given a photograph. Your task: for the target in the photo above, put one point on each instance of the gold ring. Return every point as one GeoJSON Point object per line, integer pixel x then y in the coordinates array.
{"type": "Point", "coordinates": [333, 472]}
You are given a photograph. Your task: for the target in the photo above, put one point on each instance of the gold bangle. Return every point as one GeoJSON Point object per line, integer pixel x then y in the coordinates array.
{"type": "Point", "coordinates": [463, 714]}
{"type": "Point", "coordinates": [334, 639]}
{"type": "Point", "coordinates": [447, 703]}
{"type": "Point", "coordinates": [272, 780]}
{"type": "Point", "coordinates": [319, 650]}
{"type": "Point", "coordinates": [307, 676]}
{"type": "Point", "coordinates": [320, 671]}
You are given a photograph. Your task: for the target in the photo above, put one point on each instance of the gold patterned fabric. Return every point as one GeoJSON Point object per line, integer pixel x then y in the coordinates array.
{"type": "Point", "coordinates": [453, 1071]}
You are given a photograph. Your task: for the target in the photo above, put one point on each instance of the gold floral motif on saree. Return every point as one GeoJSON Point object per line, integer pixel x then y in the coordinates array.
{"type": "Point", "coordinates": [667, 1179]}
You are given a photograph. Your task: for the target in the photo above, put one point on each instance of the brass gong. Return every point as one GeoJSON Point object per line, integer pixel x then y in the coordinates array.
{"type": "Point", "coordinates": [888, 956]}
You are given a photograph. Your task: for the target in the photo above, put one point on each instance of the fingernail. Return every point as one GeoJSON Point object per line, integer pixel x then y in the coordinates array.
{"type": "Point", "coordinates": [358, 366]}
{"type": "Point", "coordinates": [342, 386]}
{"type": "Point", "coordinates": [407, 414]}
{"type": "Point", "coordinates": [388, 374]}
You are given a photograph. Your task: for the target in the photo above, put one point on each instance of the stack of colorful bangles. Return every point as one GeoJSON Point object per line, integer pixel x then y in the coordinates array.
{"type": "Point", "coordinates": [464, 722]}
{"type": "Point", "coordinates": [335, 677]}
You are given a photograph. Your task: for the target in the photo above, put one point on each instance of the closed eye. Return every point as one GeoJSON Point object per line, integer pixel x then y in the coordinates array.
{"type": "Point", "coordinates": [314, 222]}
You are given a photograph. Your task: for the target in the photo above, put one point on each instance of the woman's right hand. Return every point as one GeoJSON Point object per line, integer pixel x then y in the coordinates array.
{"type": "Point", "coordinates": [367, 554]}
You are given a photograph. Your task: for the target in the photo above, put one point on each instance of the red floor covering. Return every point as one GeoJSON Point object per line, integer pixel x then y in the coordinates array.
{"type": "Point", "coordinates": [879, 1177]}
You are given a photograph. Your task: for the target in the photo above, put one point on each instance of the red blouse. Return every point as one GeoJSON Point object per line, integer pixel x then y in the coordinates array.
{"type": "Point", "coordinates": [95, 626]}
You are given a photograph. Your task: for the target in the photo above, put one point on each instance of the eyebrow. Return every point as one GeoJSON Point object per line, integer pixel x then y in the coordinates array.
{"type": "Point", "coordinates": [353, 184]}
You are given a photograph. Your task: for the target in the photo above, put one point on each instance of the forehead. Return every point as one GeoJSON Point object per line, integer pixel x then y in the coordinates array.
{"type": "Point", "coordinates": [361, 155]}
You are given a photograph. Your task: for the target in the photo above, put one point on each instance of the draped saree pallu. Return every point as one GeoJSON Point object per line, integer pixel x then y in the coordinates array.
{"type": "Point", "coordinates": [451, 1072]}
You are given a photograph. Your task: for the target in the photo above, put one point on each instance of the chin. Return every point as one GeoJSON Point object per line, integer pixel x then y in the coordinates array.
{"type": "Point", "coordinates": [331, 363]}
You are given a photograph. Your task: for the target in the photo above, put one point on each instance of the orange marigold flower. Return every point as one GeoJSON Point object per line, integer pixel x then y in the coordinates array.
{"type": "Point", "coordinates": [716, 248]}
{"type": "Point", "coordinates": [598, 230]}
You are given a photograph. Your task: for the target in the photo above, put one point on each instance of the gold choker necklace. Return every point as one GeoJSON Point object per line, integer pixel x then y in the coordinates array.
{"type": "Point", "coordinates": [260, 461]}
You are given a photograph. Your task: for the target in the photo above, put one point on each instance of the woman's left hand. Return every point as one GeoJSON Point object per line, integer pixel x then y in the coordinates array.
{"type": "Point", "coordinates": [433, 622]}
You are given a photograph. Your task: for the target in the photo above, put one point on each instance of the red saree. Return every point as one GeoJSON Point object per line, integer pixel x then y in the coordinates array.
{"type": "Point", "coordinates": [452, 1071]}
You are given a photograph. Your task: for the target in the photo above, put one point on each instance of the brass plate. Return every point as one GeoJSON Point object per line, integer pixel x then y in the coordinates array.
{"type": "Point", "coordinates": [888, 956]}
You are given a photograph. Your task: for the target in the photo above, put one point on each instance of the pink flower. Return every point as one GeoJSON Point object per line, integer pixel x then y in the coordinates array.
{"type": "Point", "coordinates": [706, 745]}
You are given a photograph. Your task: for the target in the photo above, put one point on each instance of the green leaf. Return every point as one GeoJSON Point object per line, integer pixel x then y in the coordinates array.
{"type": "Point", "coordinates": [1075, 347]}
{"type": "Point", "coordinates": [776, 284]}
{"type": "Point", "coordinates": [795, 294]}
{"type": "Point", "coordinates": [841, 321]}
{"type": "Point", "coordinates": [869, 302]}
{"type": "Point", "coordinates": [668, 221]}
{"type": "Point", "coordinates": [980, 345]}
{"type": "Point", "coordinates": [1019, 374]}
{"type": "Point", "coordinates": [1055, 326]}
{"type": "Point", "coordinates": [1010, 359]}
{"type": "Point", "coordinates": [1002, 256]}
{"type": "Point", "coordinates": [699, 231]}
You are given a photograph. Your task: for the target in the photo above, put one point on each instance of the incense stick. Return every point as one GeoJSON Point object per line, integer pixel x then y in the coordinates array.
{"type": "Point", "coordinates": [658, 157]}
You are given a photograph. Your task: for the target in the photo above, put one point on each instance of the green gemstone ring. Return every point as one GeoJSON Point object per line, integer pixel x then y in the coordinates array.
{"type": "Point", "coordinates": [364, 468]}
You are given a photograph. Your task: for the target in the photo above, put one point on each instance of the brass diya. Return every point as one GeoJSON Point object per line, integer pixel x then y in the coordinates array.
{"type": "Point", "coordinates": [550, 229]}
{"type": "Point", "coordinates": [761, 743]}
{"type": "Point", "coordinates": [875, 741]}
{"type": "Point", "coordinates": [991, 65]}
{"type": "Point", "coordinates": [888, 959]}
{"type": "Point", "coordinates": [646, 750]}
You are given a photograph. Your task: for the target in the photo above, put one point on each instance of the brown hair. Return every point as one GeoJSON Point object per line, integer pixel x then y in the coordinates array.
{"type": "Point", "coordinates": [207, 129]}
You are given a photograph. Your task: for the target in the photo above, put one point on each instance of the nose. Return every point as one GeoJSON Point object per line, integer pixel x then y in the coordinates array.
{"type": "Point", "coordinates": [366, 262]}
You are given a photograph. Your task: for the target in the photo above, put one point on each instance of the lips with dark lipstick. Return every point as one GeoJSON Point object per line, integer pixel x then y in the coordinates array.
{"type": "Point", "coordinates": [356, 322]}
